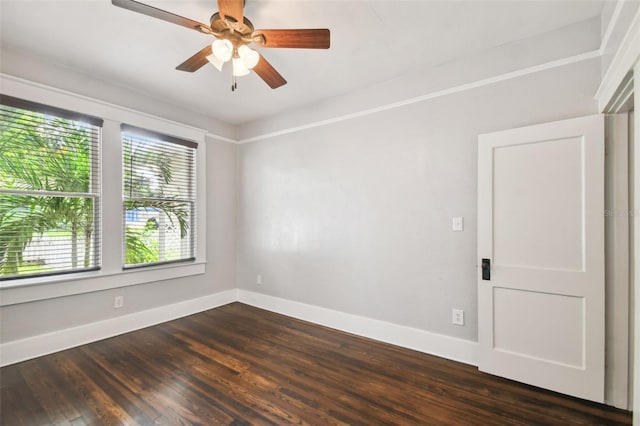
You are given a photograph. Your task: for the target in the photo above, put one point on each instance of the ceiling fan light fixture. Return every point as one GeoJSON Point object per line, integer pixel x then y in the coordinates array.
{"type": "Point", "coordinates": [222, 49]}
{"type": "Point", "coordinates": [232, 31]}
{"type": "Point", "coordinates": [249, 56]}
{"type": "Point", "coordinates": [215, 62]}
{"type": "Point", "coordinates": [239, 68]}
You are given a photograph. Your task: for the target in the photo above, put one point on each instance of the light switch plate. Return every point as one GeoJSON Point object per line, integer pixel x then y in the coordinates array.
{"type": "Point", "coordinates": [457, 224]}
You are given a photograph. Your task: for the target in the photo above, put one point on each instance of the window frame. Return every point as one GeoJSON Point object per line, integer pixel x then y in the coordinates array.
{"type": "Point", "coordinates": [133, 131]}
{"type": "Point", "coordinates": [111, 275]}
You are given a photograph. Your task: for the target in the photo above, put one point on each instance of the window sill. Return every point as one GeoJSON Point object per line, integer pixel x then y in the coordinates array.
{"type": "Point", "coordinates": [41, 288]}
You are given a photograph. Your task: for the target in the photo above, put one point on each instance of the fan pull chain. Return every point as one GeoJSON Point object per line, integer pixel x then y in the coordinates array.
{"type": "Point", "coordinates": [234, 83]}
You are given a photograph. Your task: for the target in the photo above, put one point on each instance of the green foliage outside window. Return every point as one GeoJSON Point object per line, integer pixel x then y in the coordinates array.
{"type": "Point", "coordinates": [56, 155]}
{"type": "Point", "coordinates": [41, 153]}
{"type": "Point", "coordinates": [157, 208]}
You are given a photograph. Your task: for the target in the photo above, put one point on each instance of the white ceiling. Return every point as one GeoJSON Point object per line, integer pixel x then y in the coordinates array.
{"type": "Point", "coordinates": [371, 41]}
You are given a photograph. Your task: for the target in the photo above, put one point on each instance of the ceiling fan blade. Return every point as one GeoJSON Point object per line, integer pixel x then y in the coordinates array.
{"type": "Point", "coordinates": [269, 74]}
{"type": "Point", "coordinates": [197, 61]}
{"type": "Point", "coordinates": [302, 39]}
{"type": "Point", "coordinates": [231, 9]}
{"type": "Point", "coordinates": [154, 12]}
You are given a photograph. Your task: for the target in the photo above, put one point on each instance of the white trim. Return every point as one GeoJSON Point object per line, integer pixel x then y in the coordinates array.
{"type": "Point", "coordinates": [437, 94]}
{"type": "Point", "coordinates": [635, 403]}
{"type": "Point", "coordinates": [617, 255]}
{"type": "Point", "coordinates": [200, 237]}
{"type": "Point", "coordinates": [49, 95]}
{"type": "Point", "coordinates": [622, 63]}
{"type": "Point", "coordinates": [32, 347]}
{"type": "Point", "coordinates": [9, 79]}
{"type": "Point", "coordinates": [448, 347]}
{"type": "Point", "coordinates": [623, 97]}
{"type": "Point", "coordinates": [407, 337]}
{"type": "Point", "coordinates": [49, 287]}
{"type": "Point", "coordinates": [611, 25]}
{"type": "Point", "coordinates": [220, 138]}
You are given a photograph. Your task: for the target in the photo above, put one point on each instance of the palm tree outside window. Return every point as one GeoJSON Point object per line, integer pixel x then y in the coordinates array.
{"type": "Point", "coordinates": [159, 198]}
{"type": "Point", "coordinates": [49, 190]}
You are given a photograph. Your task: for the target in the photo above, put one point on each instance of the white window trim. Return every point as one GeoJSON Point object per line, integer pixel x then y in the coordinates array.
{"type": "Point", "coordinates": [111, 275]}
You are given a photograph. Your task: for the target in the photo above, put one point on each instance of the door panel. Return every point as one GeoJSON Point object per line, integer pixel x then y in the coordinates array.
{"type": "Point", "coordinates": [515, 332]}
{"type": "Point", "coordinates": [540, 221]}
{"type": "Point", "coordinates": [551, 238]}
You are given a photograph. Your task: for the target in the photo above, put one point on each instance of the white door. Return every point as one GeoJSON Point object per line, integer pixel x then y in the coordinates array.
{"type": "Point", "coordinates": [541, 235]}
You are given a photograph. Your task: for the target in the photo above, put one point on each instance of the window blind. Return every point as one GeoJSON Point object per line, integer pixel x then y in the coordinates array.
{"type": "Point", "coordinates": [159, 198]}
{"type": "Point", "coordinates": [49, 190]}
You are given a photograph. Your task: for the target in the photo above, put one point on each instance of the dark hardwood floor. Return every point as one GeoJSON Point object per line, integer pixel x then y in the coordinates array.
{"type": "Point", "coordinates": [238, 365]}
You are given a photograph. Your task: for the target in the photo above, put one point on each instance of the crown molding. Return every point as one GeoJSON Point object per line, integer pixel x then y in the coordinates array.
{"type": "Point", "coordinates": [432, 95]}
{"type": "Point", "coordinates": [613, 21]}
{"type": "Point", "coordinates": [220, 138]}
{"type": "Point", "coordinates": [621, 65]}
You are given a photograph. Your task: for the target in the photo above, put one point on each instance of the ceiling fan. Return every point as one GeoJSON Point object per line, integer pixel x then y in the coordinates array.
{"type": "Point", "coordinates": [234, 33]}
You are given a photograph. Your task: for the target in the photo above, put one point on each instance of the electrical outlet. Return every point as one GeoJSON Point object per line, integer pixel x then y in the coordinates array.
{"type": "Point", "coordinates": [118, 302]}
{"type": "Point", "coordinates": [258, 279]}
{"type": "Point", "coordinates": [457, 316]}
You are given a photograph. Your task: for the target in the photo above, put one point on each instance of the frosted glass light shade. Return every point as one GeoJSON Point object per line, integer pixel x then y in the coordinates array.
{"type": "Point", "coordinates": [215, 61]}
{"type": "Point", "coordinates": [239, 68]}
{"type": "Point", "coordinates": [249, 56]}
{"type": "Point", "coordinates": [222, 49]}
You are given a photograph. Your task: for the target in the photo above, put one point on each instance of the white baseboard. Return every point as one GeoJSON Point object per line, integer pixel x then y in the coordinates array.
{"type": "Point", "coordinates": [412, 338]}
{"type": "Point", "coordinates": [32, 347]}
{"type": "Point", "coordinates": [432, 343]}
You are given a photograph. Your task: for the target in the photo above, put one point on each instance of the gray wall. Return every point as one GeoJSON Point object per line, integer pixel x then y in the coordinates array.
{"type": "Point", "coordinates": [356, 215]}
{"type": "Point", "coordinates": [348, 204]}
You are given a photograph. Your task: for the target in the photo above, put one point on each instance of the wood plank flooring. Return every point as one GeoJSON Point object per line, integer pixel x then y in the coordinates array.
{"type": "Point", "coordinates": [238, 365]}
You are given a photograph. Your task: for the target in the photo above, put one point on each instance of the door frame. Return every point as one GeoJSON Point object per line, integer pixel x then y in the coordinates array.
{"type": "Point", "coordinates": [616, 88]}
{"type": "Point", "coordinates": [617, 259]}
{"type": "Point", "coordinates": [618, 101]}
{"type": "Point", "coordinates": [636, 245]}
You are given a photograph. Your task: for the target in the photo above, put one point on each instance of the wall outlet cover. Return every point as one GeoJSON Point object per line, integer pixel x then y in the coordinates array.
{"type": "Point", "coordinates": [118, 302]}
{"type": "Point", "coordinates": [457, 317]}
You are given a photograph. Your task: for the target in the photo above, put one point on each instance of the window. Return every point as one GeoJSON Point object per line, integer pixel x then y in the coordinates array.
{"type": "Point", "coordinates": [159, 198]}
{"type": "Point", "coordinates": [49, 190]}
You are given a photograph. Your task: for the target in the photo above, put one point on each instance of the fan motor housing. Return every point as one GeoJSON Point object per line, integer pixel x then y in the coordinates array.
{"type": "Point", "coordinates": [224, 25]}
